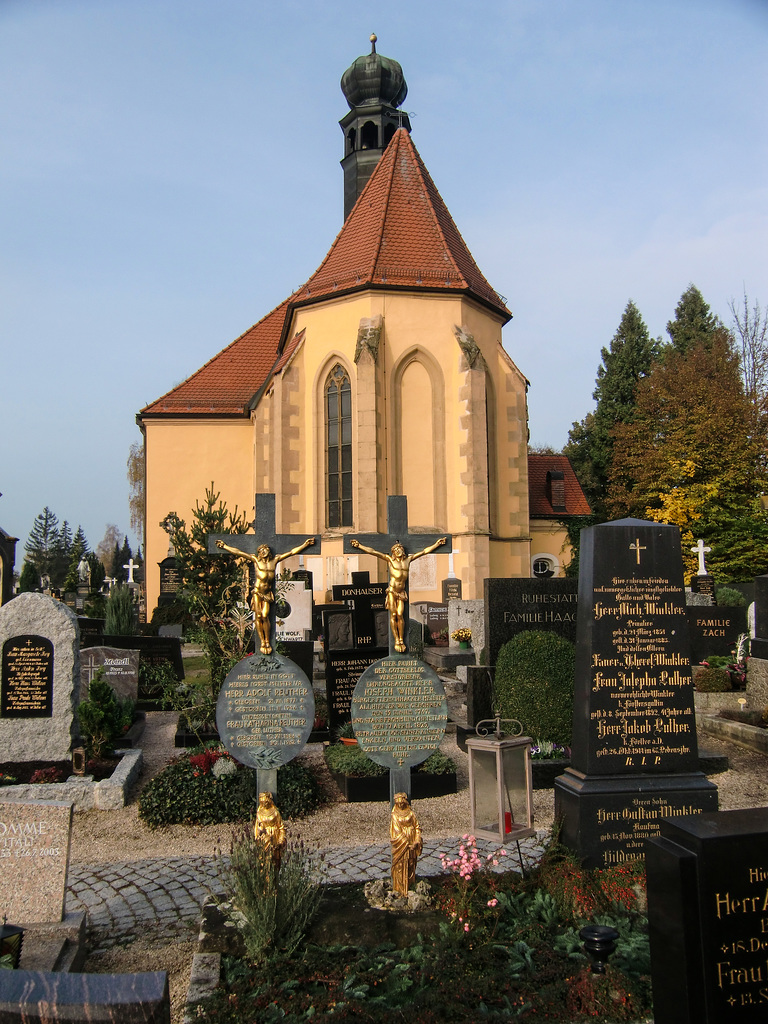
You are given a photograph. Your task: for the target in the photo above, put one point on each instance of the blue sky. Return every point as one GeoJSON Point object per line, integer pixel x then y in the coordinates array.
{"type": "Point", "coordinates": [169, 172]}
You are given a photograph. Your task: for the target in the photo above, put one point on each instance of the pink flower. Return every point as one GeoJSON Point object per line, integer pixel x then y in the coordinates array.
{"type": "Point", "coordinates": [466, 927]}
{"type": "Point", "coordinates": [493, 903]}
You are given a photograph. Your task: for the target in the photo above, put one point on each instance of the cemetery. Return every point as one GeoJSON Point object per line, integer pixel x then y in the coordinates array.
{"type": "Point", "coordinates": [292, 774]}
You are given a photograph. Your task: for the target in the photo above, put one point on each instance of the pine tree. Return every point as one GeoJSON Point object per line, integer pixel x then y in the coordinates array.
{"type": "Point", "coordinates": [41, 545]}
{"type": "Point", "coordinates": [78, 550]}
{"type": "Point", "coordinates": [590, 448]}
{"type": "Point", "coordinates": [694, 321]}
{"type": "Point", "coordinates": [29, 581]}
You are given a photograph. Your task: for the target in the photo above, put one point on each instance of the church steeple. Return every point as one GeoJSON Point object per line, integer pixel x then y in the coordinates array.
{"type": "Point", "coordinates": [374, 87]}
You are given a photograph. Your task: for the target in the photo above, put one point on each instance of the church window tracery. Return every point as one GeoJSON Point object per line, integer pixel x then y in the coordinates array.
{"type": "Point", "coordinates": [338, 447]}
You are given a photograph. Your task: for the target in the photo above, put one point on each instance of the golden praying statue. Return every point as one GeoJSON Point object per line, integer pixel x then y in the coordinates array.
{"type": "Point", "coordinates": [397, 591]}
{"type": "Point", "coordinates": [262, 595]}
{"type": "Point", "coordinates": [269, 829]}
{"type": "Point", "coordinates": [405, 837]}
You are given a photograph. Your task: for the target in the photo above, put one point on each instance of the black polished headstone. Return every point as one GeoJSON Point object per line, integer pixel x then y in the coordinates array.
{"type": "Point", "coordinates": [708, 918]}
{"type": "Point", "coordinates": [513, 606]}
{"type": "Point", "coordinates": [704, 585]}
{"type": "Point", "coordinates": [170, 581]}
{"type": "Point", "coordinates": [634, 751]}
{"type": "Point", "coordinates": [366, 598]}
{"type": "Point", "coordinates": [26, 690]}
{"type": "Point", "coordinates": [714, 630]}
{"type": "Point", "coordinates": [451, 590]}
{"type": "Point", "coordinates": [342, 671]}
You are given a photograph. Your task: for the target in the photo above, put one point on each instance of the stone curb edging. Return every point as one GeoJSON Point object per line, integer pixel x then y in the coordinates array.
{"type": "Point", "coordinates": [85, 794]}
{"type": "Point", "coordinates": [203, 982]}
{"type": "Point", "coordinates": [751, 736]}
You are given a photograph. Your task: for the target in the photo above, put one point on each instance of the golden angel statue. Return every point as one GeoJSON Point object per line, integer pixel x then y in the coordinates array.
{"type": "Point", "coordinates": [269, 829]}
{"type": "Point", "coordinates": [405, 837]}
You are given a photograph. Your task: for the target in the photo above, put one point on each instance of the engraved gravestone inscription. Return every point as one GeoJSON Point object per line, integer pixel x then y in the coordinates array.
{"type": "Point", "coordinates": [34, 854]}
{"type": "Point", "coordinates": [707, 902]}
{"type": "Point", "coordinates": [265, 711]}
{"type": "Point", "coordinates": [342, 671]}
{"type": "Point", "coordinates": [27, 674]}
{"type": "Point", "coordinates": [399, 711]}
{"type": "Point", "coordinates": [634, 751]}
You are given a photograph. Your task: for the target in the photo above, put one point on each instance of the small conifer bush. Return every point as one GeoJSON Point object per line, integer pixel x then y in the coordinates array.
{"type": "Point", "coordinates": [534, 684]}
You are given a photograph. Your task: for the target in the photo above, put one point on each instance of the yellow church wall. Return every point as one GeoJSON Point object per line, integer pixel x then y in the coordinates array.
{"type": "Point", "coordinates": [183, 457]}
{"type": "Point", "coordinates": [549, 537]}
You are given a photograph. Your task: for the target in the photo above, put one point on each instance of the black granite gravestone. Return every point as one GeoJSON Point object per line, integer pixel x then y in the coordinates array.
{"type": "Point", "coordinates": [714, 630]}
{"type": "Point", "coordinates": [708, 918]}
{"type": "Point", "coordinates": [451, 589]}
{"type": "Point", "coordinates": [365, 598]}
{"type": "Point", "coordinates": [170, 581]}
{"type": "Point", "coordinates": [342, 671]}
{"type": "Point", "coordinates": [27, 677]}
{"type": "Point", "coordinates": [634, 751]}
{"type": "Point", "coordinates": [515, 605]}
{"type": "Point", "coordinates": [704, 584]}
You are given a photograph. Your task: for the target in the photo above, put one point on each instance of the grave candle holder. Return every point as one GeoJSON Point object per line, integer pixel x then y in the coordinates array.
{"type": "Point", "coordinates": [500, 781]}
{"type": "Point", "coordinates": [11, 939]}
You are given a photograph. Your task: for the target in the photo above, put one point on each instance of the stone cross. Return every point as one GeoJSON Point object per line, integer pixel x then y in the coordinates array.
{"type": "Point", "coordinates": [397, 531]}
{"type": "Point", "coordinates": [130, 566]}
{"type": "Point", "coordinates": [700, 550]}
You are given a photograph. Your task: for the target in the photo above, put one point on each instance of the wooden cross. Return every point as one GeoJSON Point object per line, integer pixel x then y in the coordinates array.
{"type": "Point", "coordinates": [397, 532]}
{"type": "Point", "coordinates": [638, 547]}
{"type": "Point", "coordinates": [700, 550]}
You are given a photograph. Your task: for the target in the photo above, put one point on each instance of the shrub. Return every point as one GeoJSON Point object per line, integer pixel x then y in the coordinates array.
{"type": "Point", "coordinates": [192, 791]}
{"type": "Point", "coordinates": [352, 761]}
{"type": "Point", "coordinates": [276, 904]}
{"type": "Point", "coordinates": [119, 616]}
{"type": "Point", "coordinates": [713, 680]}
{"type": "Point", "coordinates": [52, 774]}
{"type": "Point", "coordinates": [729, 596]}
{"type": "Point", "coordinates": [104, 718]}
{"type": "Point", "coordinates": [534, 683]}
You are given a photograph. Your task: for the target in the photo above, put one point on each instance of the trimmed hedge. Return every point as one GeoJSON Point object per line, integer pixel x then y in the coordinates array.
{"type": "Point", "coordinates": [534, 683]}
{"type": "Point", "coordinates": [189, 792]}
{"type": "Point", "coordinates": [350, 760]}
{"type": "Point", "coordinates": [713, 680]}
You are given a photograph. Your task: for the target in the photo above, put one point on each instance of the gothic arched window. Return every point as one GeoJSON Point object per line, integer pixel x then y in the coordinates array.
{"type": "Point", "coordinates": [338, 448]}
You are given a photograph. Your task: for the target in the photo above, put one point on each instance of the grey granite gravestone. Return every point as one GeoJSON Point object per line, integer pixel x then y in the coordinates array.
{"type": "Point", "coordinates": [39, 678]}
{"type": "Point", "coordinates": [708, 918]}
{"type": "Point", "coordinates": [34, 855]}
{"type": "Point", "coordinates": [634, 751]}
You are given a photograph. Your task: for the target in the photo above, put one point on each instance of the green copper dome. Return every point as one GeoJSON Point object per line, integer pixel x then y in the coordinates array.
{"type": "Point", "coordinates": [374, 79]}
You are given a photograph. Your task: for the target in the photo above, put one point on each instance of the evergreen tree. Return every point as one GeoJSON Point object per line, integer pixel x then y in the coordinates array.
{"type": "Point", "coordinates": [125, 556]}
{"type": "Point", "coordinates": [41, 545]}
{"type": "Point", "coordinates": [687, 457]}
{"type": "Point", "coordinates": [98, 572]}
{"type": "Point", "coordinates": [62, 554]}
{"type": "Point", "coordinates": [694, 321]}
{"type": "Point", "coordinates": [78, 550]}
{"type": "Point", "coordinates": [116, 570]}
{"type": "Point", "coordinates": [590, 448]}
{"type": "Point", "coordinates": [29, 581]}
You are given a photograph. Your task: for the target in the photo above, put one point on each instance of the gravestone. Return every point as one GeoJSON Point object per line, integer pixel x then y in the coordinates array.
{"type": "Point", "coordinates": [170, 581]}
{"type": "Point", "coordinates": [264, 714]}
{"type": "Point", "coordinates": [451, 590]}
{"type": "Point", "coordinates": [399, 711]}
{"type": "Point", "coordinates": [293, 612]}
{"type": "Point", "coordinates": [434, 618]}
{"type": "Point", "coordinates": [39, 678]}
{"type": "Point", "coordinates": [345, 659]}
{"type": "Point", "coordinates": [338, 629]}
{"type": "Point", "coordinates": [634, 752]}
{"type": "Point", "coordinates": [515, 605]}
{"type": "Point", "coordinates": [708, 918]}
{"type": "Point", "coordinates": [121, 670]}
{"type": "Point", "coordinates": [704, 585]}
{"type": "Point", "coordinates": [714, 630]}
{"type": "Point", "coordinates": [34, 855]}
{"type": "Point", "coordinates": [366, 598]}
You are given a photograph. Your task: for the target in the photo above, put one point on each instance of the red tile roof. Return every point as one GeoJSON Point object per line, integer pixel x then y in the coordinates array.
{"type": "Point", "coordinates": [539, 503]}
{"type": "Point", "coordinates": [398, 235]}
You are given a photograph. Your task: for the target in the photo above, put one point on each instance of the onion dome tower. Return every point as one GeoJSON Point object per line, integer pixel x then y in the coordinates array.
{"type": "Point", "coordinates": [374, 87]}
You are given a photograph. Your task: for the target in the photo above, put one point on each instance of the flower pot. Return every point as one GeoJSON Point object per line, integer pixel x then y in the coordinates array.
{"type": "Point", "coordinates": [348, 741]}
{"type": "Point", "coordinates": [464, 645]}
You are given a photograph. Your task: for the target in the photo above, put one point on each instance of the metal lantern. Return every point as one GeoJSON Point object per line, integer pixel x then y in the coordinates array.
{"type": "Point", "coordinates": [11, 938]}
{"type": "Point", "coordinates": [500, 781]}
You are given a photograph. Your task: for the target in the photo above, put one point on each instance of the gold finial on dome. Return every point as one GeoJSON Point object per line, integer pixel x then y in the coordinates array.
{"type": "Point", "coordinates": [373, 42]}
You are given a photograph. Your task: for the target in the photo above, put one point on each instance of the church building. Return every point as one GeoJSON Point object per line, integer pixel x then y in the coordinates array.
{"type": "Point", "coordinates": [384, 374]}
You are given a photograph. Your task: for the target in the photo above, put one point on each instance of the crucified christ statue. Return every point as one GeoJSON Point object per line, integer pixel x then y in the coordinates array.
{"type": "Point", "coordinates": [397, 591]}
{"type": "Point", "coordinates": [262, 596]}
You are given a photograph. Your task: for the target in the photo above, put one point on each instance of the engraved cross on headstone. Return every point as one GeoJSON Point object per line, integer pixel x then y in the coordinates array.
{"type": "Point", "coordinates": [638, 547]}
{"type": "Point", "coordinates": [397, 532]}
{"type": "Point", "coordinates": [700, 550]}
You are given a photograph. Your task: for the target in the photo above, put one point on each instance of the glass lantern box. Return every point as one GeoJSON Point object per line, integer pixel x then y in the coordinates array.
{"type": "Point", "coordinates": [500, 786]}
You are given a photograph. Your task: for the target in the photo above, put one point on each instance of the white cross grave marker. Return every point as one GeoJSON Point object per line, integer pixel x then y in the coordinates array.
{"type": "Point", "coordinates": [130, 565]}
{"type": "Point", "coordinates": [700, 550]}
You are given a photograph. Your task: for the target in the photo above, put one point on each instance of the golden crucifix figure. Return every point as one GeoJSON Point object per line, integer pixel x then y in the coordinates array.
{"type": "Point", "coordinates": [397, 591]}
{"type": "Point", "coordinates": [262, 595]}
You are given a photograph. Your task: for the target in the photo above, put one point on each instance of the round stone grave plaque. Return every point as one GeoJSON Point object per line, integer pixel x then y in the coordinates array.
{"type": "Point", "coordinates": [265, 711]}
{"type": "Point", "coordinates": [399, 711]}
